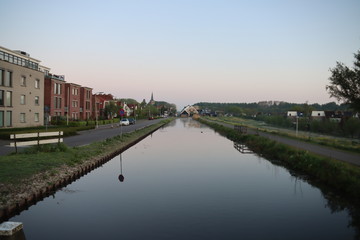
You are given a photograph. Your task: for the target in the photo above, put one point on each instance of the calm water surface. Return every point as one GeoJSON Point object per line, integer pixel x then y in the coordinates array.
{"type": "Point", "coordinates": [186, 182]}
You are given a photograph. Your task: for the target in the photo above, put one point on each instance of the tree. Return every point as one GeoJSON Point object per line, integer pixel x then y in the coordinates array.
{"type": "Point", "coordinates": [345, 83]}
{"type": "Point", "coordinates": [111, 110]}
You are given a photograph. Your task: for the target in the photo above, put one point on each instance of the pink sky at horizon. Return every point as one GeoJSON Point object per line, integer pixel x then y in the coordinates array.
{"type": "Point", "coordinates": [189, 51]}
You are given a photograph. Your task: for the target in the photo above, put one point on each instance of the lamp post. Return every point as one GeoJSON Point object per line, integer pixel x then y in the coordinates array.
{"type": "Point", "coordinates": [96, 111]}
{"type": "Point", "coordinates": [68, 107]}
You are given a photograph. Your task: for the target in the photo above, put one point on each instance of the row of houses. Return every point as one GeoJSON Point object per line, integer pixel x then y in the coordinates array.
{"type": "Point", "coordinates": [30, 94]}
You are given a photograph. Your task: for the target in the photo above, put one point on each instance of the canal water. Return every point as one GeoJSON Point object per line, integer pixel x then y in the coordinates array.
{"type": "Point", "coordinates": [185, 181]}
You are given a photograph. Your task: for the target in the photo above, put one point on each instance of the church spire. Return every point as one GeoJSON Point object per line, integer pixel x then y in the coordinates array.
{"type": "Point", "coordinates": [152, 101]}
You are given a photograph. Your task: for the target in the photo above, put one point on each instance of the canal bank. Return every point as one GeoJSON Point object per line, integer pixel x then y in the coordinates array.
{"type": "Point", "coordinates": [19, 194]}
{"type": "Point", "coordinates": [340, 177]}
{"type": "Point", "coordinates": [185, 181]}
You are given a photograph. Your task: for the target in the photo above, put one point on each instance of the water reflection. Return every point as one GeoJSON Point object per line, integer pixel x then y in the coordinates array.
{"type": "Point", "coordinates": [242, 148]}
{"type": "Point", "coordinates": [121, 176]}
{"type": "Point", "coordinates": [189, 183]}
{"type": "Point", "coordinates": [20, 235]}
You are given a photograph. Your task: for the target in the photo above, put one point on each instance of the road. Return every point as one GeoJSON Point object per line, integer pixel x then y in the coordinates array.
{"type": "Point", "coordinates": [337, 154]}
{"type": "Point", "coordinates": [89, 136]}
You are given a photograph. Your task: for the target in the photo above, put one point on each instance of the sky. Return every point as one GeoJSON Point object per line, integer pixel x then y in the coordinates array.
{"type": "Point", "coordinates": [189, 51]}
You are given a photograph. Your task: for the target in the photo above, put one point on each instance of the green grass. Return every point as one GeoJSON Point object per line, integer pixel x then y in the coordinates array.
{"type": "Point", "coordinates": [334, 142]}
{"type": "Point", "coordinates": [16, 168]}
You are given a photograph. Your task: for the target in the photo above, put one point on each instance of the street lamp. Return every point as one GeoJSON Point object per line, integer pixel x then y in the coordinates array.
{"type": "Point", "coordinates": [96, 112]}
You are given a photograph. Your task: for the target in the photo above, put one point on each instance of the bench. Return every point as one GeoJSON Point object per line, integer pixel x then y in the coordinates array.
{"type": "Point", "coordinates": [241, 129]}
{"type": "Point", "coordinates": [39, 138]}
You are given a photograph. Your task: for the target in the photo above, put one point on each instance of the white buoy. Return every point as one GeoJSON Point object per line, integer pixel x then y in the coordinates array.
{"type": "Point", "coordinates": [9, 228]}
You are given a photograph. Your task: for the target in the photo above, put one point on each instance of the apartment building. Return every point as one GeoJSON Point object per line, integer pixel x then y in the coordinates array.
{"type": "Point", "coordinates": [85, 103]}
{"type": "Point", "coordinates": [72, 101]}
{"type": "Point", "coordinates": [21, 89]}
{"type": "Point", "coordinates": [54, 95]}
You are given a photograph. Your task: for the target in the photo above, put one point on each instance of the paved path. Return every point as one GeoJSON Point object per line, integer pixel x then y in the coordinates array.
{"type": "Point", "coordinates": [89, 136]}
{"type": "Point", "coordinates": [344, 156]}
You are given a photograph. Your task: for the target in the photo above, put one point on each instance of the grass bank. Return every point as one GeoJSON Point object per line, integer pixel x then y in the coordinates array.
{"type": "Point", "coordinates": [342, 177]}
{"type": "Point", "coordinates": [350, 145]}
{"type": "Point", "coordinates": [36, 167]}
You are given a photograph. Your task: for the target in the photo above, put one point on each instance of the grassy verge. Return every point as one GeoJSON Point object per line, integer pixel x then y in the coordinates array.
{"type": "Point", "coordinates": [342, 177]}
{"type": "Point", "coordinates": [337, 143]}
{"type": "Point", "coordinates": [18, 172]}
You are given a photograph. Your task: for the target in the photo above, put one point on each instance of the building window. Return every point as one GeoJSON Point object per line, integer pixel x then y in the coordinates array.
{"type": "Point", "coordinates": [8, 79]}
{"type": "Point", "coordinates": [22, 99]}
{"type": "Point", "coordinates": [74, 115]}
{"type": "Point", "coordinates": [87, 105]}
{"type": "Point", "coordinates": [75, 103]}
{"type": "Point", "coordinates": [75, 91]}
{"type": "Point", "coordinates": [57, 102]}
{"type": "Point", "coordinates": [1, 97]}
{"type": "Point", "coordinates": [23, 81]}
{"type": "Point", "coordinates": [57, 88]}
{"type": "Point", "coordinates": [1, 77]}
{"type": "Point", "coordinates": [22, 117]}
{"type": "Point", "coordinates": [37, 83]}
{"type": "Point", "coordinates": [36, 117]}
{"type": "Point", "coordinates": [37, 101]}
{"type": "Point", "coordinates": [8, 119]}
{"type": "Point", "coordinates": [9, 99]}
{"type": "Point", "coordinates": [1, 118]}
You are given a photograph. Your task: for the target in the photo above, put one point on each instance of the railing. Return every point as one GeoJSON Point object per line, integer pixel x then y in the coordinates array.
{"type": "Point", "coordinates": [40, 138]}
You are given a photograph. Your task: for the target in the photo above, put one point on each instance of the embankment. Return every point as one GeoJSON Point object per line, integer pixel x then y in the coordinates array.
{"type": "Point", "coordinates": [19, 194]}
{"type": "Point", "coordinates": [338, 177]}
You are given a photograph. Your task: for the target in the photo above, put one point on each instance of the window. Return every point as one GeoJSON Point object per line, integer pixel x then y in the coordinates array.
{"type": "Point", "coordinates": [8, 79]}
{"type": "Point", "coordinates": [74, 115]}
{"type": "Point", "coordinates": [22, 117]}
{"type": "Point", "coordinates": [8, 120]}
{"type": "Point", "coordinates": [36, 117]}
{"type": "Point", "coordinates": [23, 81]}
{"type": "Point", "coordinates": [1, 118]}
{"type": "Point", "coordinates": [22, 99]}
{"type": "Point", "coordinates": [9, 99]}
{"type": "Point", "coordinates": [87, 105]}
{"type": "Point", "coordinates": [1, 77]}
{"type": "Point", "coordinates": [75, 103]}
{"type": "Point", "coordinates": [57, 88]}
{"type": "Point", "coordinates": [57, 102]}
{"type": "Point", "coordinates": [1, 97]}
{"type": "Point", "coordinates": [75, 91]}
{"type": "Point", "coordinates": [37, 83]}
{"type": "Point", "coordinates": [37, 102]}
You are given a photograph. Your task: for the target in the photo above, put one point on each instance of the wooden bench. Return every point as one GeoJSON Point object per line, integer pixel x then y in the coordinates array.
{"type": "Point", "coordinates": [39, 138]}
{"type": "Point", "coordinates": [241, 129]}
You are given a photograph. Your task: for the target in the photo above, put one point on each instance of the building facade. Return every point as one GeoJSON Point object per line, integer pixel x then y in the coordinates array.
{"type": "Point", "coordinates": [85, 103]}
{"type": "Point", "coordinates": [72, 101]}
{"type": "Point", "coordinates": [21, 89]}
{"type": "Point", "coordinates": [54, 96]}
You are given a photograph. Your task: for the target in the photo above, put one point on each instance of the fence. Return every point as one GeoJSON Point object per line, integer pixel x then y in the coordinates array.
{"type": "Point", "coordinates": [39, 138]}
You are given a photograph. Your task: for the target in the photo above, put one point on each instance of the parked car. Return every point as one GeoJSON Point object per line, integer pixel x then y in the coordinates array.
{"type": "Point", "coordinates": [124, 122]}
{"type": "Point", "coordinates": [151, 118]}
{"type": "Point", "coordinates": [132, 121]}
